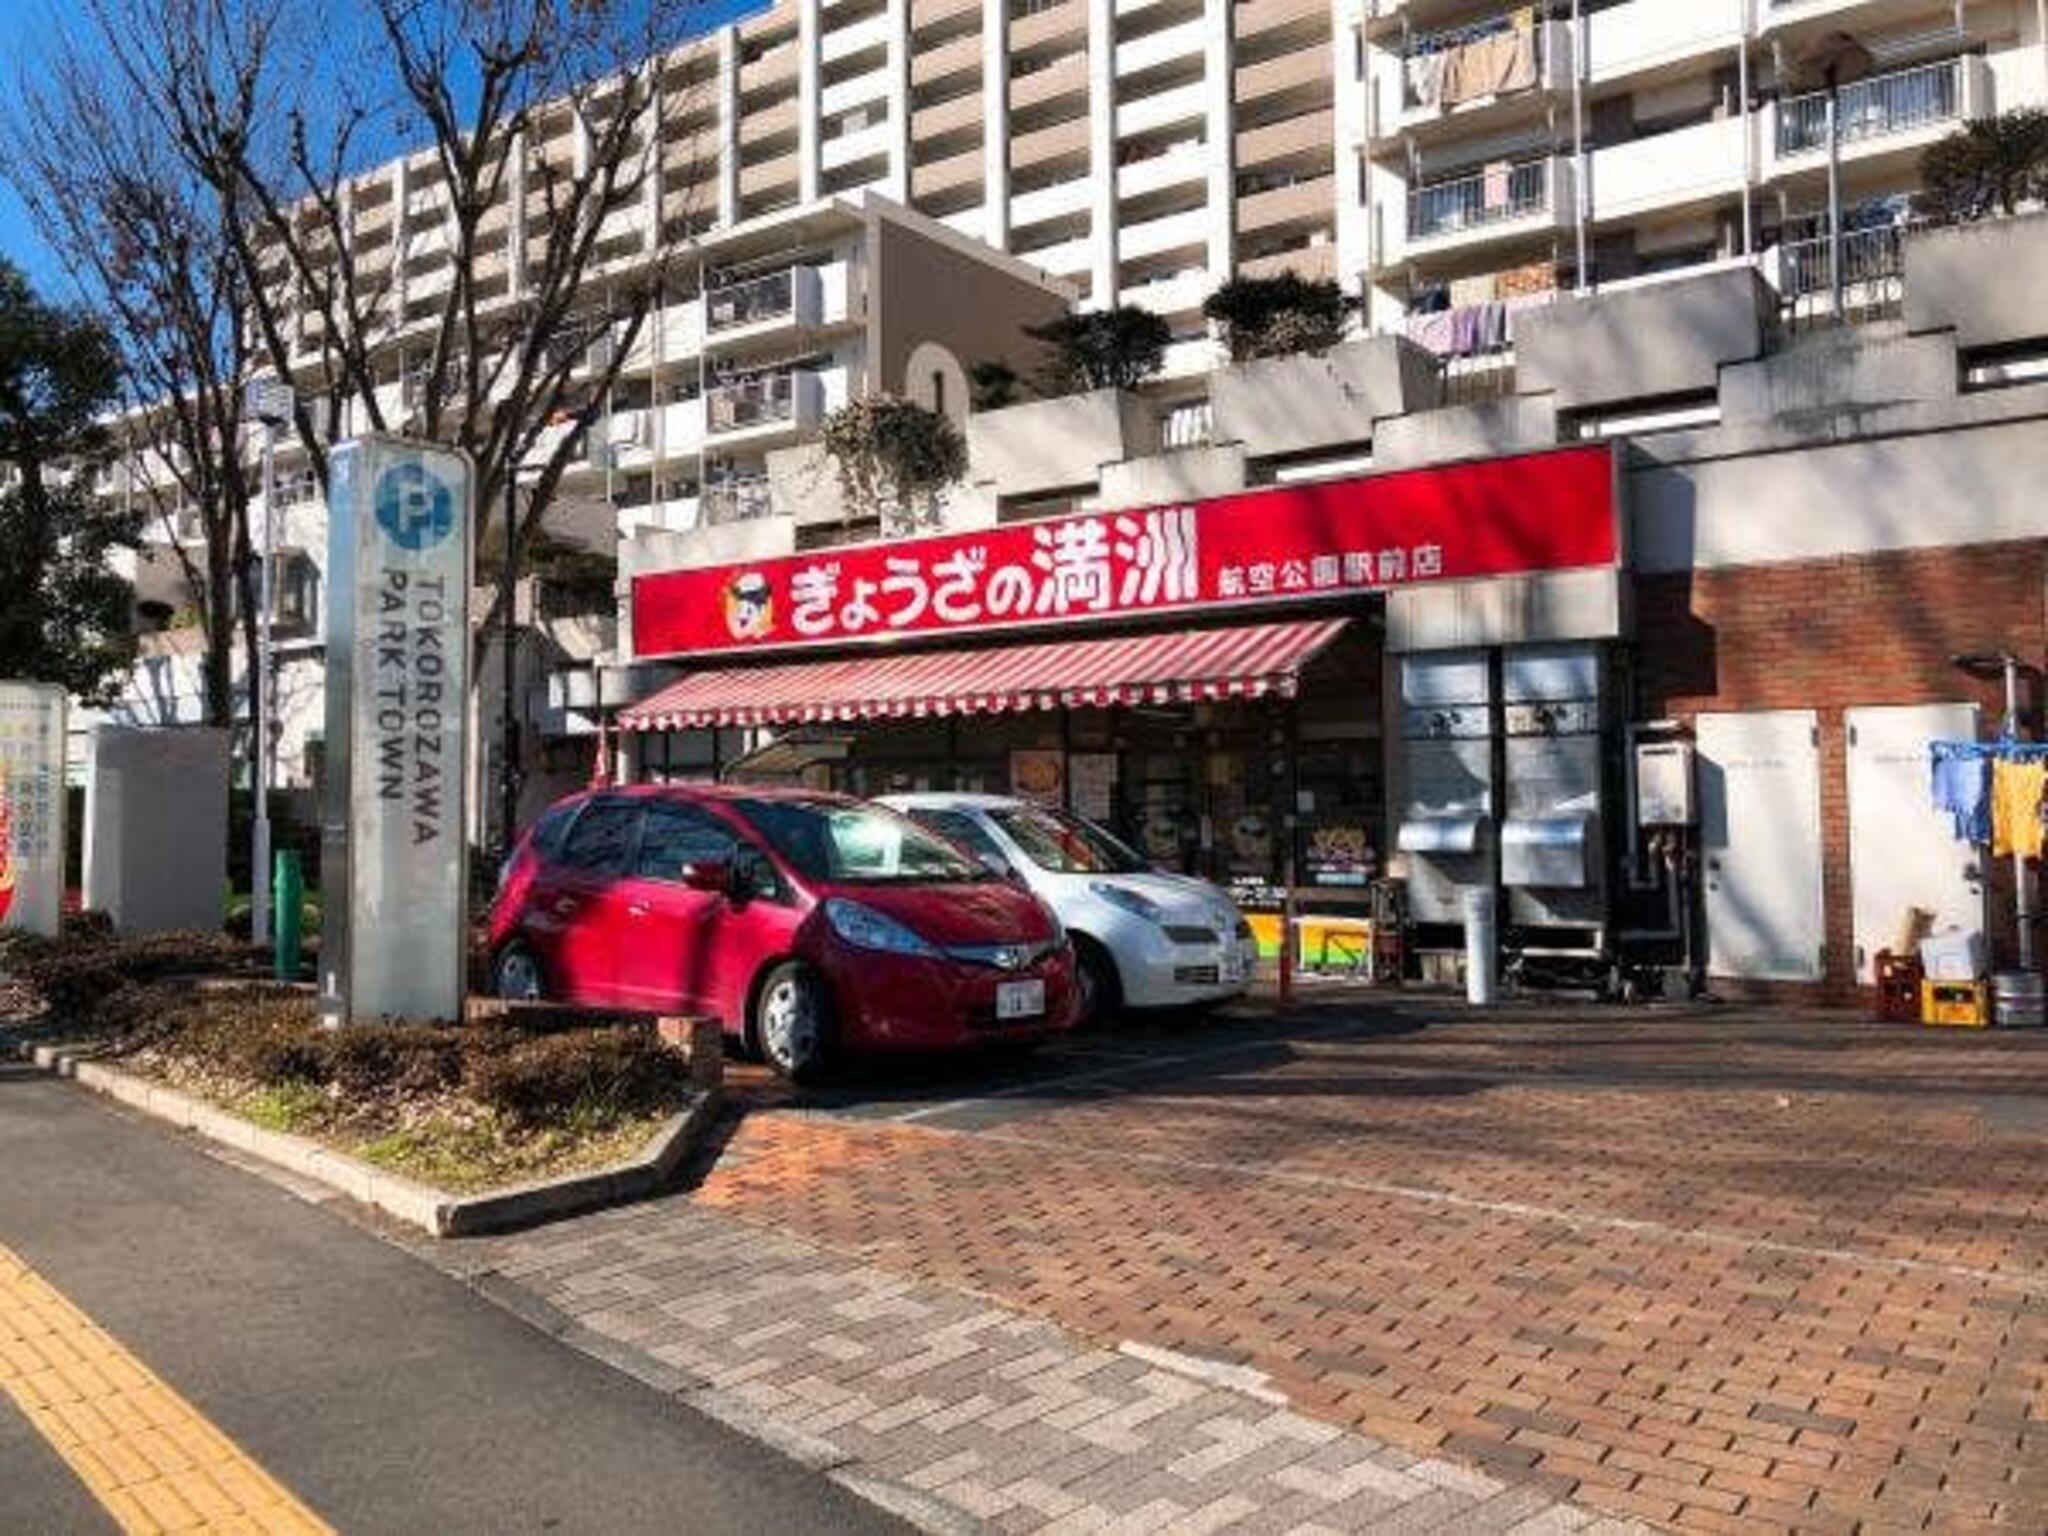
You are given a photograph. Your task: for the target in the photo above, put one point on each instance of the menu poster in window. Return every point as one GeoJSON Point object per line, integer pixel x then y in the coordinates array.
{"type": "Point", "coordinates": [1339, 855]}
{"type": "Point", "coordinates": [1091, 784]}
{"type": "Point", "coordinates": [1039, 776]}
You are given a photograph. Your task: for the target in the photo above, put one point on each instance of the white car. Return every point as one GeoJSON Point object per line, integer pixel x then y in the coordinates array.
{"type": "Point", "coordinates": [1142, 938]}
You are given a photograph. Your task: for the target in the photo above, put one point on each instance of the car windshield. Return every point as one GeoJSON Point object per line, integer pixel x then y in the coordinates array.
{"type": "Point", "coordinates": [841, 844]}
{"type": "Point", "coordinates": [1065, 844]}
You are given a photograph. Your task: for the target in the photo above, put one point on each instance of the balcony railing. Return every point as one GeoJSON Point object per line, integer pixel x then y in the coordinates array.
{"type": "Point", "coordinates": [760, 401]}
{"type": "Point", "coordinates": [1467, 63]}
{"type": "Point", "coordinates": [770, 297]}
{"type": "Point", "coordinates": [1868, 256]}
{"type": "Point", "coordinates": [1490, 196]}
{"type": "Point", "coordinates": [737, 500]}
{"type": "Point", "coordinates": [1873, 108]}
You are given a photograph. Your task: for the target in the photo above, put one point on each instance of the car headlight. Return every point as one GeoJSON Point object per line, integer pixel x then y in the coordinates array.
{"type": "Point", "coordinates": [1130, 901]}
{"type": "Point", "coordinates": [865, 928]}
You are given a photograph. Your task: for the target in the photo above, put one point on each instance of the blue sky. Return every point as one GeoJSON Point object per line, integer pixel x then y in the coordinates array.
{"type": "Point", "coordinates": [26, 26]}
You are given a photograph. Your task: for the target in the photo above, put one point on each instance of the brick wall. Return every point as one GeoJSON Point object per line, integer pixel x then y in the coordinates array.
{"type": "Point", "coordinates": [1827, 635]}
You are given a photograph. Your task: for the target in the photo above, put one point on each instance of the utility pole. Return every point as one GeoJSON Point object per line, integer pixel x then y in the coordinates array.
{"type": "Point", "coordinates": [508, 630]}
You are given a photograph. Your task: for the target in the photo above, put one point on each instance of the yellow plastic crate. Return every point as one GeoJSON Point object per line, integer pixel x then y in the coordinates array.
{"type": "Point", "coordinates": [1963, 1003]}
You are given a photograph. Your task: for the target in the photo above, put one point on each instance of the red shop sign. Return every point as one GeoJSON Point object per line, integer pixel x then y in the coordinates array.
{"type": "Point", "coordinates": [1537, 512]}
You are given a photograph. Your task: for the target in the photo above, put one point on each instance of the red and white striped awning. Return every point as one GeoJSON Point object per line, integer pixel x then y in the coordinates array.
{"type": "Point", "coordinates": [1256, 661]}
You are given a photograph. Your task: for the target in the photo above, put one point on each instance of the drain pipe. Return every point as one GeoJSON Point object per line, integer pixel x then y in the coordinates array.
{"type": "Point", "coordinates": [1579, 189]}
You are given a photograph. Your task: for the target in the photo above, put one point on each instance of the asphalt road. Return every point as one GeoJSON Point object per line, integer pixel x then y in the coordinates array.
{"type": "Point", "coordinates": [380, 1391]}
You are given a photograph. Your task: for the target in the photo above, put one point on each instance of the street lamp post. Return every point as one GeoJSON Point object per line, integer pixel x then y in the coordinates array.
{"type": "Point", "coordinates": [271, 403]}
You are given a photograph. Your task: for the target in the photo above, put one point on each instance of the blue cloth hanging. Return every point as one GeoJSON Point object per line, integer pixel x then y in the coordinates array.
{"type": "Point", "coordinates": [1962, 788]}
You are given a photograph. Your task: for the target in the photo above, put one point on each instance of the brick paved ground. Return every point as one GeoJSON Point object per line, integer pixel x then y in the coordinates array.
{"type": "Point", "coordinates": [1709, 1271]}
{"type": "Point", "coordinates": [961, 1414]}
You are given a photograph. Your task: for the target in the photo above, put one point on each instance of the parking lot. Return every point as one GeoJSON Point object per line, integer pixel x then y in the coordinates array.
{"type": "Point", "coordinates": [1706, 1267]}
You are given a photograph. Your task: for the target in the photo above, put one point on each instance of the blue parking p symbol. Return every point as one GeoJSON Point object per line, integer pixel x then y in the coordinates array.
{"type": "Point", "coordinates": [414, 508]}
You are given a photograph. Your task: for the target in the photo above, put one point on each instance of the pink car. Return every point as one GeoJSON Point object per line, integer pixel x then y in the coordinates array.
{"type": "Point", "coordinates": [805, 923]}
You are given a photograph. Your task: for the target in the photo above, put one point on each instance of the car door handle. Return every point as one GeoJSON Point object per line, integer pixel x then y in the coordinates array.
{"type": "Point", "coordinates": [636, 909]}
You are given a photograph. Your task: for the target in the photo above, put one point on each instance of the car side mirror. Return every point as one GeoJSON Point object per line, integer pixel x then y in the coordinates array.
{"type": "Point", "coordinates": [749, 875]}
{"type": "Point", "coordinates": [997, 865]}
{"type": "Point", "coordinates": [709, 875]}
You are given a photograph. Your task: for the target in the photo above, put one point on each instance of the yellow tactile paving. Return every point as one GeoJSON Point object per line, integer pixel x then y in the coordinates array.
{"type": "Point", "coordinates": [146, 1454]}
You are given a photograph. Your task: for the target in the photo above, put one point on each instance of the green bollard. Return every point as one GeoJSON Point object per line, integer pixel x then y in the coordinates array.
{"type": "Point", "coordinates": [287, 899]}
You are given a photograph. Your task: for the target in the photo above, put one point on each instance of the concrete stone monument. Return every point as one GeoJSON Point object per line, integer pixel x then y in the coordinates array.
{"type": "Point", "coordinates": [156, 827]}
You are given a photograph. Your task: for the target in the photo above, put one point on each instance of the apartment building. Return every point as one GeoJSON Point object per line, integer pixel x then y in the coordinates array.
{"type": "Point", "coordinates": [1452, 163]}
{"type": "Point", "coordinates": [1501, 151]}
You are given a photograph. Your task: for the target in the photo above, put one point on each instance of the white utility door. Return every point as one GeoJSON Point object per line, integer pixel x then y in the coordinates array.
{"type": "Point", "coordinates": [1902, 852]}
{"type": "Point", "coordinates": [1760, 844]}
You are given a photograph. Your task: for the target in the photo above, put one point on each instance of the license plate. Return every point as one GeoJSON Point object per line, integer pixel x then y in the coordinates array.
{"type": "Point", "coordinates": [1020, 999]}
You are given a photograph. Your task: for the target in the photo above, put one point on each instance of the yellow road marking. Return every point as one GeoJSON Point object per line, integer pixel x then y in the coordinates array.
{"type": "Point", "coordinates": [146, 1454]}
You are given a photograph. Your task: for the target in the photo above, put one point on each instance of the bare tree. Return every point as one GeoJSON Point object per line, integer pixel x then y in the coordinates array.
{"type": "Point", "coordinates": [543, 128]}
{"type": "Point", "coordinates": [145, 236]}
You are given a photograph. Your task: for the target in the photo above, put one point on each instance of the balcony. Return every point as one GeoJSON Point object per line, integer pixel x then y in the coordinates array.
{"type": "Point", "coordinates": [1257, 18]}
{"type": "Point", "coordinates": [1466, 70]}
{"type": "Point", "coordinates": [1165, 46]}
{"type": "Point", "coordinates": [1034, 23]}
{"type": "Point", "coordinates": [1308, 200]}
{"type": "Point", "coordinates": [1184, 162]}
{"type": "Point", "coordinates": [1154, 237]}
{"type": "Point", "coordinates": [956, 56]}
{"type": "Point", "coordinates": [1162, 109]}
{"type": "Point", "coordinates": [791, 296]}
{"type": "Point", "coordinates": [1647, 34]}
{"type": "Point", "coordinates": [1502, 199]}
{"type": "Point", "coordinates": [764, 405]}
{"type": "Point", "coordinates": [1871, 262]}
{"type": "Point", "coordinates": [846, 42]}
{"type": "Point", "coordinates": [1666, 170]}
{"type": "Point", "coordinates": [1875, 108]}
{"type": "Point", "coordinates": [1061, 200]}
{"type": "Point", "coordinates": [1304, 138]}
{"type": "Point", "coordinates": [858, 144]}
{"type": "Point", "coordinates": [740, 499]}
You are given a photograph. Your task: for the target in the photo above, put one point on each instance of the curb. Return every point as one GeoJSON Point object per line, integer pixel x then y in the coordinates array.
{"type": "Point", "coordinates": [433, 1211]}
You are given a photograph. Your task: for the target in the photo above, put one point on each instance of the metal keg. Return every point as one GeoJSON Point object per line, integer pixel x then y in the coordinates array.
{"type": "Point", "coordinates": [2018, 1000]}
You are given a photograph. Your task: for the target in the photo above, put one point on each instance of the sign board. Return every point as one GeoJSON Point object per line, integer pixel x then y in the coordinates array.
{"type": "Point", "coordinates": [1091, 784]}
{"type": "Point", "coordinates": [1039, 776]}
{"type": "Point", "coordinates": [394, 852]}
{"type": "Point", "coordinates": [1555, 510]}
{"type": "Point", "coordinates": [31, 806]}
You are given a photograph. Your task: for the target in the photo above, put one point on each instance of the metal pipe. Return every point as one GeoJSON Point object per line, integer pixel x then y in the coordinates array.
{"type": "Point", "coordinates": [259, 706]}
{"type": "Point", "coordinates": [1834, 198]}
{"type": "Point", "coordinates": [1749, 132]}
{"type": "Point", "coordinates": [1579, 192]}
{"type": "Point", "coordinates": [2023, 895]}
{"type": "Point", "coordinates": [508, 769]}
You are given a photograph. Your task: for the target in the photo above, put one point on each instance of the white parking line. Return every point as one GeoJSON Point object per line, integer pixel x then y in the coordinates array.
{"type": "Point", "coordinates": [1136, 1062]}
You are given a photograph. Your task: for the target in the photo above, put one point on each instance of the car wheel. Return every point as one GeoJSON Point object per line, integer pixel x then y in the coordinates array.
{"type": "Point", "coordinates": [1096, 980]}
{"type": "Point", "coordinates": [517, 977]}
{"type": "Point", "coordinates": [793, 1022]}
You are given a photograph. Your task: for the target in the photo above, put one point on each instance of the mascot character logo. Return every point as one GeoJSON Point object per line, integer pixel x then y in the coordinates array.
{"type": "Point", "coordinates": [750, 607]}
